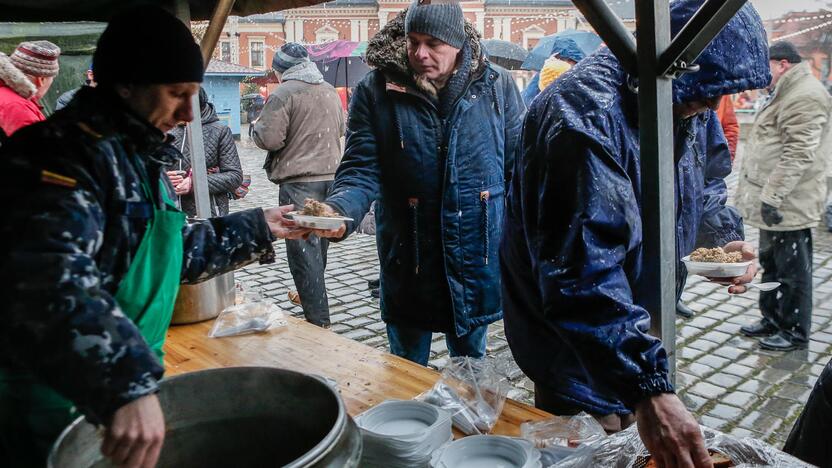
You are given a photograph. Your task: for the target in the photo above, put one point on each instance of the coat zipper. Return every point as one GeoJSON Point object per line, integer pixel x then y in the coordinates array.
{"type": "Point", "coordinates": [414, 220]}
{"type": "Point", "coordinates": [484, 197]}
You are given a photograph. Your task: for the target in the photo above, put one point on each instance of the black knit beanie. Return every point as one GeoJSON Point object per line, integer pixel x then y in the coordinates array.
{"type": "Point", "coordinates": [146, 45]}
{"type": "Point", "coordinates": [442, 19]}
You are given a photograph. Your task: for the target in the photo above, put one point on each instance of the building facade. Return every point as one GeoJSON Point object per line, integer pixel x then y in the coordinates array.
{"type": "Point", "coordinates": [251, 41]}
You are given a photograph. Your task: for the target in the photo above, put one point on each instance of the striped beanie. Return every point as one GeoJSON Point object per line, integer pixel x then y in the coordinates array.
{"type": "Point", "coordinates": [37, 58]}
{"type": "Point", "coordinates": [288, 56]}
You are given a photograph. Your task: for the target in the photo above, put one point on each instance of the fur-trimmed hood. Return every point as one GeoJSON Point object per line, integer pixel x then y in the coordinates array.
{"type": "Point", "coordinates": [15, 79]}
{"type": "Point", "coordinates": [387, 51]}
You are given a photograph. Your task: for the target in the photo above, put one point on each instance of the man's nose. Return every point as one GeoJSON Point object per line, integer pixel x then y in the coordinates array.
{"type": "Point", "coordinates": [185, 112]}
{"type": "Point", "coordinates": [422, 52]}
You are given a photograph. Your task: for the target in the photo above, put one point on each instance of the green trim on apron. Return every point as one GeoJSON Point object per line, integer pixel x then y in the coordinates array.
{"type": "Point", "coordinates": [32, 415]}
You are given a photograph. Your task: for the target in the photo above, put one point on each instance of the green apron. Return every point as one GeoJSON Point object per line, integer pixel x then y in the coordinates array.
{"type": "Point", "coordinates": [32, 415]}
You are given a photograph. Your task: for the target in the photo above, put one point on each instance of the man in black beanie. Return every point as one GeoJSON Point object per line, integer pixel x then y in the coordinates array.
{"type": "Point", "coordinates": [95, 250]}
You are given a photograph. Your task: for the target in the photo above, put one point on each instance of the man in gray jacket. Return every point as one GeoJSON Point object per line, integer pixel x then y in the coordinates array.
{"type": "Point", "coordinates": [301, 128]}
{"type": "Point", "coordinates": [782, 190]}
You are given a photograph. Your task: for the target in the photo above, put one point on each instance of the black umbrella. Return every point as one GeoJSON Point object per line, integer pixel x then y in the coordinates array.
{"type": "Point", "coordinates": [344, 71]}
{"type": "Point", "coordinates": [505, 54]}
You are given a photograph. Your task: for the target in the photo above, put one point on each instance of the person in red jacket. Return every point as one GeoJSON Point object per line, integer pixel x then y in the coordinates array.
{"type": "Point", "coordinates": [730, 126]}
{"type": "Point", "coordinates": [25, 76]}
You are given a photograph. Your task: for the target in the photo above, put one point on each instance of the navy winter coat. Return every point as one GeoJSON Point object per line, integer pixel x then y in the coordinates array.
{"type": "Point", "coordinates": [572, 252]}
{"type": "Point", "coordinates": [440, 185]}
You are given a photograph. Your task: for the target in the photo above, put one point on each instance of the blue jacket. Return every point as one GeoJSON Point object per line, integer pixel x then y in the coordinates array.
{"type": "Point", "coordinates": [440, 185]}
{"type": "Point", "coordinates": [572, 251]}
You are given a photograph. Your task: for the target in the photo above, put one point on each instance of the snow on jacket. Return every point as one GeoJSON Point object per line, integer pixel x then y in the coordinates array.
{"type": "Point", "coordinates": [788, 154]}
{"type": "Point", "coordinates": [17, 104]}
{"type": "Point", "coordinates": [440, 185]}
{"type": "Point", "coordinates": [572, 253]}
{"type": "Point", "coordinates": [220, 153]}
{"type": "Point", "coordinates": [76, 216]}
{"type": "Point", "coordinates": [301, 127]}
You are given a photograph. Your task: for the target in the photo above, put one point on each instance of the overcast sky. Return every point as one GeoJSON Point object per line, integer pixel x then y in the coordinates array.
{"type": "Point", "coordinates": [774, 8]}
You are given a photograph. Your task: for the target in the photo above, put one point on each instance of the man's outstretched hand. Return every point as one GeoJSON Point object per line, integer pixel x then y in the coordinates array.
{"type": "Point", "coordinates": [283, 227]}
{"type": "Point", "coordinates": [670, 433]}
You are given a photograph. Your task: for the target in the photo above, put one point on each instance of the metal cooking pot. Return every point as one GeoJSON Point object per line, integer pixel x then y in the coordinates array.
{"type": "Point", "coordinates": [203, 301]}
{"type": "Point", "coordinates": [237, 416]}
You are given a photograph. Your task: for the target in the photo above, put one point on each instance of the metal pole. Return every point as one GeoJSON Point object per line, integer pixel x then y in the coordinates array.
{"type": "Point", "coordinates": [199, 173]}
{"type": "Point", "coordinates": [609, 26]}
{"type": "Point", "coordinates": [658, 204]}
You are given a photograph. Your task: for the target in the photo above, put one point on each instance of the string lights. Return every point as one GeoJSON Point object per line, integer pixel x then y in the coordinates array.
{"type": "Point", "coordinates": [803, 31]}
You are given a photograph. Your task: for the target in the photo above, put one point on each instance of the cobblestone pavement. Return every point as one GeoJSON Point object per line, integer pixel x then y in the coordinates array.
{"type": "Point", "coordinates": [723, 377]}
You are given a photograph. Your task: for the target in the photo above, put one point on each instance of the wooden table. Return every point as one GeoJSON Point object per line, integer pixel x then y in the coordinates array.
{"type": "Point", "coordinates": [365, 375]}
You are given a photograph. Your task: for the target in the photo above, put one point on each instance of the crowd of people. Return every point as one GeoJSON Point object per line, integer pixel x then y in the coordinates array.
{"type": "Point", "coordinates": [488, 205]}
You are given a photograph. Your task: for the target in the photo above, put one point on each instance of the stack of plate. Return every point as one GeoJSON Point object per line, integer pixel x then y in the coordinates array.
{"type": "Point", "coordinates": [402, 433]}
{"type": "Point", "coordinates": [487, 450]}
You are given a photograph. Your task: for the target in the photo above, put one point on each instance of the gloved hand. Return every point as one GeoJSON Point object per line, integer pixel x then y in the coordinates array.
{"type": "Point", "coordinates": [770, 215]}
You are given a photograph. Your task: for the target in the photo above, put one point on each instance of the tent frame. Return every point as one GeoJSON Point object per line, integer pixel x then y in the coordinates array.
{"type": "Point", "coordinates": [656, 61]}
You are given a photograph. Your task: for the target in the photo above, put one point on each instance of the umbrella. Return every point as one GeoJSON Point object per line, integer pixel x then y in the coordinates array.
{"type": "Point", "coordinates": [585, 41]}
{"type": "Point", "coordinates": [505, 54]}
{"type": "Point", "coordinates": [340, 62]}
{"type": "Point", "coordinates": [336, 49]}
{"type": "Point", "coordinates": [344, 71]}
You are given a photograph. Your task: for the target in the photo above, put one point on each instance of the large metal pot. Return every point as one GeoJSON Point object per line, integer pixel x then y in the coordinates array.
{"type": "Point", "coordinates": [240, 417]}
{"type": "Point", "coordinates": [203, 301]}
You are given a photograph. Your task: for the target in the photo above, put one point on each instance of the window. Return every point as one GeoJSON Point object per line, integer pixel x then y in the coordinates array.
{"type": "Point", "coordinates": [225, 51]}
{"type": "Point", "coordinates": [532, 35]}
{"type": "Point", "coordinates": [326, 34]}
{"type": "Point", "coordinates": [256, 51]}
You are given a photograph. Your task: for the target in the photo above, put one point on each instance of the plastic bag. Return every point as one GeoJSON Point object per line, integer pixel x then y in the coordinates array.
{"type": "Point", "coordinates": [250, 314]}
{"type": "Point", "coordinates": [473, 391]}
{"type": "Point", "coordinates": [563, 431]}
{"type": "Point", "coordinates": [625, 450]}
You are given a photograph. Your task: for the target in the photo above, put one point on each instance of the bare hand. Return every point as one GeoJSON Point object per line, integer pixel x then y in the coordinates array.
{"type": "Point", "coordinates": [748, 254]}
{"type": "Point", "coordinates": [283, 227]}
{"type": "Point", "coordinates": [670, 433]}
{"type": "Point", "coordinates": [134, 438]}
{"type": "Point", "coordinates": [184, 187]}
{"type": "Point", "coordinates": [332, 233]}
{"type": "Point", "coordinates": [176, 177]}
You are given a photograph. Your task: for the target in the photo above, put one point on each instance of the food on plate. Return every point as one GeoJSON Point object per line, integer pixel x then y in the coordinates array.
{"type": "Point", "coordinates": [315, 208]}
{"type": "Point", "coordinates": [719, 460]}
{"type": "Point", "coordinates": [715, 255]}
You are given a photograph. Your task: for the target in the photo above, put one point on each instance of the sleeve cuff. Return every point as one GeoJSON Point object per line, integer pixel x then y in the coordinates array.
{"type": "Point", "coordinates": [264, 238]}
{"type": "Point", "coordinates": [648, 385]}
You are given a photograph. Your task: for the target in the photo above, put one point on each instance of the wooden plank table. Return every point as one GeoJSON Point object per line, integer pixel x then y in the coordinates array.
{"type": "Point", "coordinates": [366, 376]}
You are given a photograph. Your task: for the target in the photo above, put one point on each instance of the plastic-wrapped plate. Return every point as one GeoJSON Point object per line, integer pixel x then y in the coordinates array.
{"type": "Point", "coordinates": [715, 270]}
{"type": "Point", "coordinates": [317, 222]}
{"type": "Point", "coordinates": [399, 418]}
{"type": "Point", "coordinates": [486, 450]}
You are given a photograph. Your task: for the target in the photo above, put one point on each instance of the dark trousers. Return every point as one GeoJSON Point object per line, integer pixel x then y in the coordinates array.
{"type": "Point", "coordinates": [787, 257]}
{"type": "Point", "coordinates": [809, 439]}
{"type": "Point", "coordinates": [413, 344]}
{"type": "Point", "coordinates": [307, 258]}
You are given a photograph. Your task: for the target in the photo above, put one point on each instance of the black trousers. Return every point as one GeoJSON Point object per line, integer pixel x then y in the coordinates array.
{"type": "Point", "coordinates": [809, 439]}
{"type": "Point", "coordinates": [787, 257]}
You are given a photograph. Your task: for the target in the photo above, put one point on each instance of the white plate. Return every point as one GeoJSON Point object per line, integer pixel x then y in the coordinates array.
{"type": "Point", "coordinates": [317, 222]}
{"type": "Point", "coordinates": [487, 451]}
{"type": "Point", "coordinates": [399, 418]}
{"type": "Point", "coordinates": [715, 270]}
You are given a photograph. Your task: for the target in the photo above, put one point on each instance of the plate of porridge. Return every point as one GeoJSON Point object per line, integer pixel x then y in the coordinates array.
{"type": "Point", "coordinates": [316, 215]}
{"type": "Point", "coordinates": [715, 263]}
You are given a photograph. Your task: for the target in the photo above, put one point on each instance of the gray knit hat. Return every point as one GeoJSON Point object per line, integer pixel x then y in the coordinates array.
{"type": "Point", "coordinates": [442, 19]}
{"type": "Point", "coordinates": [288, 56]}
{"type": "Point", "coordinates": [37, 58]}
